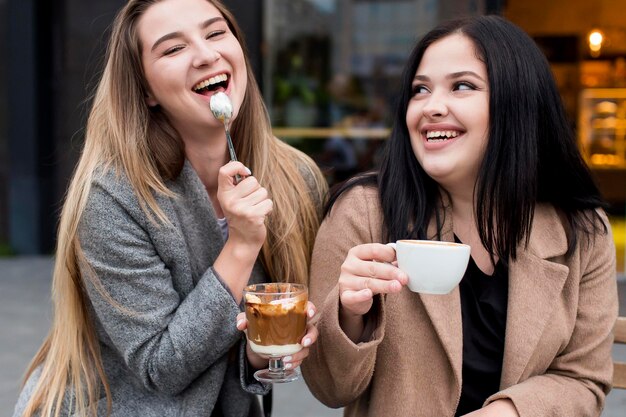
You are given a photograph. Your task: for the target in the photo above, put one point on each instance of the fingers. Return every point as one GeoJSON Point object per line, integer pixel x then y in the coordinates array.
{"type": "Point", "coordinates": [293, 361]}
{"type": "Point", "coordinates": [310, 337]}
{"type": "Point", "coordinates": [247, 195]}
{"type": "Point", "coordinates": [373, 252]}
{"type": "Point", "coordinates": [311, 310]}
{"type": "Point", "coordinates": [368, 270]}
{"type": "Point", "coordinates": [245, 205]}
{"type": "Point", "coordinates": [374, 275]}
{"type": "Point", "coordinates": [242, 323]}
{"type": "Point", "coordinates": [362, 271]}
{"type": "Point", "coordinates": [350, 297]}
{"type": "Point", "coordinates": [227, 173]}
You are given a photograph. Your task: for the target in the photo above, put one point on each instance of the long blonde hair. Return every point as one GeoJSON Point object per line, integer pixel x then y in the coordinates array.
{"type": "Point", "coordinates": [124, 134]}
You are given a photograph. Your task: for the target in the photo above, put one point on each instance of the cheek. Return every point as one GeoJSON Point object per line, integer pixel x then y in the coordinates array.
{"type": "Point", "coordinates": [413, 115]}
{"type": "Point", "coordinates": [413, 112]}
{"type": "Point", "coordinates": [417, 146]}
{"type": "Point", "coordinates": [166, 76]}
{"type": "Point", "coordinates": [153, 79]}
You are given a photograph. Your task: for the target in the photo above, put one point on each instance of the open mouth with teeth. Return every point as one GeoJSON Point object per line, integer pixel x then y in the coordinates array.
{"type": "Point", "coordinates": [212, 85]}
{"type": "Point", "coordinates": [441, 135]}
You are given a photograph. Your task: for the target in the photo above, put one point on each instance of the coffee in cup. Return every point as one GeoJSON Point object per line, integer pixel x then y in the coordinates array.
{"type": "Point", "coordinates": [276, 314]}
{"type": "Point", "coordinates": [433, 267]}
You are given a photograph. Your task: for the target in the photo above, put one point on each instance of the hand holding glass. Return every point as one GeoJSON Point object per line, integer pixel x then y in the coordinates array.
{"type": "Point", "coordinates": [277, 316]}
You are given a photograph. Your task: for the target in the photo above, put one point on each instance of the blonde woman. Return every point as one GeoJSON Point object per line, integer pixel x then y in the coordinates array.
{"type": "Point", "coordinates": [157, 240]}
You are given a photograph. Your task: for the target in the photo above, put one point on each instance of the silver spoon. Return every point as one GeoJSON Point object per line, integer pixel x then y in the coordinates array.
{"type": "Point", "coordinates": [222, 110]}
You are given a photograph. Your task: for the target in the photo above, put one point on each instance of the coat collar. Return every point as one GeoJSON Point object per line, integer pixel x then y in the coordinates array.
{"type": "Point", "coordinates": [534, 283]}
{"type": "Point", "coordinates": [536, 279]}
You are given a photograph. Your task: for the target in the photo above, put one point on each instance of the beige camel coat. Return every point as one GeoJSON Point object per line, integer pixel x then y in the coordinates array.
{"type": "Point", "coordinates": [557, 357]}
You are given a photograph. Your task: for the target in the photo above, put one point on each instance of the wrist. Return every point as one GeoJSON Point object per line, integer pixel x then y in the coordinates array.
{"type": "Point", "coordinates": [241, 250]}
{"type": "Point", "coordinates": [234, 265]}
{"type": "Point", "coordinates": [352, 324]}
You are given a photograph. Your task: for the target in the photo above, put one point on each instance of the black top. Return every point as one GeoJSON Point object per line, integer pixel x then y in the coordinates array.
{"type": "Point", "coordinates": [483, 309]}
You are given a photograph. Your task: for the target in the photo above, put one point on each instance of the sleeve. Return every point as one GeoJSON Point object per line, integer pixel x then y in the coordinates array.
{"type": "Point", "coordinates": [246, 373]}
{"type": "Point", "coordinates": [165, 341]}
{"type": "Point", "coordinates": [579, 378]}
{"type": "Point", "coordinates": [337, 370]}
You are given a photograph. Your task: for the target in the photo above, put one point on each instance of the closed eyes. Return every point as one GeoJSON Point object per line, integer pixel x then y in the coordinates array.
{"type": "Point", "coordinates": [214, 34]}
{"type": "Point", "coordinates": [211, 35]}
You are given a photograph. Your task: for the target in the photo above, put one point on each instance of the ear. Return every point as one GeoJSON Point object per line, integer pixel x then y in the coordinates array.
{"type": "Point", "coordinates": [150, 100]}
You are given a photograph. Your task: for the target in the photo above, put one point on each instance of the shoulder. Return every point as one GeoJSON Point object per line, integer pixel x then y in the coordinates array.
{"type": "Point", "coordinates": [112, 183]}
{"type": "Point", "coordinates": [551, 232]}
{"type": "Point", "coordinates": [357, 209]}
{"type": "Point", "coordinates": [112, 200]}
{"type": "Point", "coordinates": [360, 198]}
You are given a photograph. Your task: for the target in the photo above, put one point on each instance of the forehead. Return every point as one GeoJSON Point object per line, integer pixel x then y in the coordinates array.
{"type": "Point", "coordinates": [453, 53]}
{"type": "Point", "coordinates": [169, 16]}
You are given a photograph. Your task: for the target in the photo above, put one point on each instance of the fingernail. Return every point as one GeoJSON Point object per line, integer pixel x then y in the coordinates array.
{"type": "Point", "coordinates": [239, 322]}
{"type": "Point", "coordinates": [288, 366]}
{"type": "Point", "coordinates": [307, 342]}
{"type": "Point", "coordinates": [287, 359]}
{"type": "Point", "coordinates": [248, 171]}
{"type": "Point", "coordinates": [311, 313]}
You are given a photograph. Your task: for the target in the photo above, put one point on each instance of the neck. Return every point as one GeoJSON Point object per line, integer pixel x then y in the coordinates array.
{"type": "Point", "coordinates": [462, 201]}
{"type": "Point", "coordinates": [465, 228]}
{"type": "Point", "coordinates": [462, 204]}
{"type": "Point", "coordinates": [207, 157]}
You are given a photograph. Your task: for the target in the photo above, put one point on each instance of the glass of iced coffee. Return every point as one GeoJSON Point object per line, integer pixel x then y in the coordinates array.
{"type": "Point", "coordinates": [276, 314]}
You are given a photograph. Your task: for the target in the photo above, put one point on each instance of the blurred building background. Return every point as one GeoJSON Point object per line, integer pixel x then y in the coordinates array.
{"type": "Point", "coordinates": [328, 69]}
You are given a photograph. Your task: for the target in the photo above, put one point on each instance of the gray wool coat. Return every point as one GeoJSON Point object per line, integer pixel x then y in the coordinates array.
{"type": "Point", "coordinates": [170, 348]}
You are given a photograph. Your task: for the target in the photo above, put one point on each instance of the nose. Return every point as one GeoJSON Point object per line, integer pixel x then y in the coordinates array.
{"type": "Point", "coordinates": [435, 107]}
{"type": "Point", "coordinates": [204, 54]}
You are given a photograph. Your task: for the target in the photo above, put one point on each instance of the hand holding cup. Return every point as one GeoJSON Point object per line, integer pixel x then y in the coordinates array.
{"type": "Point", "coordinates": [276, 317]}
{"type": "Point", "coordinates": [366, 271]}
{"type": "Point", "coordinates": [258, 360]}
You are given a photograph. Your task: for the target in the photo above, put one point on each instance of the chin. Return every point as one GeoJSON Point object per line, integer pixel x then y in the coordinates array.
{"type": "Point", "coordinates": [437, 173]}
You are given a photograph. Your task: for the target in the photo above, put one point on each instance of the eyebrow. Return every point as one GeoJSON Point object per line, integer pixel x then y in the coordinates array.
{"type": "Point", "coordinates": [178, 34]}
{"type": "Point", "coordinates": [452, 76]}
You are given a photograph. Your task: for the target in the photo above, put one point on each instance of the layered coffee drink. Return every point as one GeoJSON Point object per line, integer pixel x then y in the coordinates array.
{"type": "Point", "coordinates": [276, 315]}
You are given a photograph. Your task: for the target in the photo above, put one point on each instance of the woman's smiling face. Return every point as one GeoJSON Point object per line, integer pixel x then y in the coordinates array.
{"type": "Point", "coordinates": [448, 114]}
{"type": "Point", "coordinates": [188, 54]}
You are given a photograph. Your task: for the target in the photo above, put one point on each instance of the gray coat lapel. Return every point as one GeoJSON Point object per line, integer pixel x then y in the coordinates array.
{"type": "Point", "coordinates": [198, 223]}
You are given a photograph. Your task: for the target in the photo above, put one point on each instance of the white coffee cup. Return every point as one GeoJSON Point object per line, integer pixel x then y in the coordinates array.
{"type": "Point", "coordinates": [433, 267]}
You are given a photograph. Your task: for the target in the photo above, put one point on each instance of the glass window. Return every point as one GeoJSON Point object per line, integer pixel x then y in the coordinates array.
{"type": "Point", "coordinates": [332, 70]}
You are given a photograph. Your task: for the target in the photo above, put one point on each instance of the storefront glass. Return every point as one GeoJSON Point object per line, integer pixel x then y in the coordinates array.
{"type": "Point", "coordinates": [332, 69]}
{"type": "Point", "coordinates": [585, 43]}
